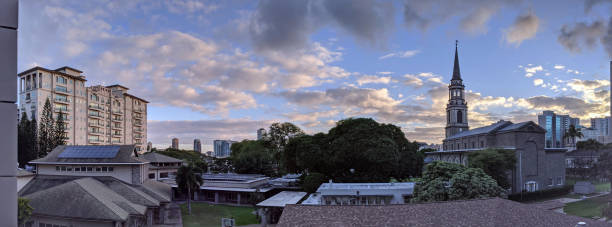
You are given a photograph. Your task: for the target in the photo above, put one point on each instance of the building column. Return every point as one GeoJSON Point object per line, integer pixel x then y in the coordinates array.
{"type": "Point", "coordinates": [216, 197]}
{"type": "Point", "coordinates": [8, 111]}
{"type": "Point", "coordinates": [238, 198]}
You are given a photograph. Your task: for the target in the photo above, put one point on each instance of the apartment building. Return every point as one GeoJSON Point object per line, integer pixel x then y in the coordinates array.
{"type": "Point", "coordinates": [94, 115]}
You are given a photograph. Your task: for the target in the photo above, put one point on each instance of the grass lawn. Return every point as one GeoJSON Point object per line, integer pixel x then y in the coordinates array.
{"type": "Point", "coordinates": [587, 208]}
{"type": "Point", "coordinates": [203, 214]}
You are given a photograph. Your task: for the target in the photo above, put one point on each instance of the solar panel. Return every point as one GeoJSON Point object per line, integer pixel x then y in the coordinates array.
{"type": "Point", "coordinates": [89, 152]}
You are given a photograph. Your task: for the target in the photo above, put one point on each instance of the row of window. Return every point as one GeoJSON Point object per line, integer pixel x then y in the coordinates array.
{"type": "Point", "coordinates": [84, 169]}
{"type": "Point", "coordinates": [465, 146]}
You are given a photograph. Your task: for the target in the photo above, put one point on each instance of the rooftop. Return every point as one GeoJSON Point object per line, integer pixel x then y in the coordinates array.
{"type": "Point", "coordinates": [481, 212]}
{"type": "Point", "coordinates": [282, 199]}
{"type": "Point", "coordinates": [157, 157]}
{"type": "Point", "coordinates": [365, 186]}
{"type": "Point", "coordinates": [500, 126]}
{"type": "Point", "coordinates": [115, 154]}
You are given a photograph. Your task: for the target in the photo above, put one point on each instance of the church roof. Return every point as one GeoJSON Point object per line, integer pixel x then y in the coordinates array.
{"type": "Point", "coordinates": [500, 126]}
{"type": "Point", "coordinates": [456, 71]}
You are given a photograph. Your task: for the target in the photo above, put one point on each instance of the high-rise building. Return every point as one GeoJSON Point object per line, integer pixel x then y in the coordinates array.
{"type": "Point", "coordinates": [222, 148]}
{"type": "Point", "coordinates": [456, 109]}
{"type": "Point", "coordinates": [261, 133]}
{"type": "Point", "coordinates": [197, 145]}
{"type": "Point", "coordinates": [556, 126]}
{"type": "Point", "coordinates": [94, 115]}
{"type": "Point", "coordinates": [175, 143]}
{"type": "Point", "coordinates": [601, 125]}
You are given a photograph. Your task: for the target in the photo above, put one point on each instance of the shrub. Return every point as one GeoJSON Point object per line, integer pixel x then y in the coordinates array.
{"type": "Point", "coordinates": [543, 194]}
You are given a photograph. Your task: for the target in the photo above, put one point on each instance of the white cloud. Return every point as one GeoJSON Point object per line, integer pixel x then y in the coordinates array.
{"type": "Point", "coordinates": [538, 82]}
{"type": "Point", "coordinates": [524, 27]}
{"type": "Point", "coordinates": [559, 67]}
{"type": "Point", "coordinates": [373, 80]}
{"type": "Point", "coordinates": [401, 54]}
{"type": "Point", "coordinates": [530, 71]}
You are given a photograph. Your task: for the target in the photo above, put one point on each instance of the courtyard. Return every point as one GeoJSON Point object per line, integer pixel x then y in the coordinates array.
{"type": "Point", "coordinates": [204, 214]}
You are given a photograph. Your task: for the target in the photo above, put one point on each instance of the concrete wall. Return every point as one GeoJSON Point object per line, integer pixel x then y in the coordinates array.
{"type": "Point", "coordinates": [8, 111]}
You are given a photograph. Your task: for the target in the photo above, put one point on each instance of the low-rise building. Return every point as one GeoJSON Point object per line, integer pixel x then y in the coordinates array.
{"type": "Point", "coordinates": [161, 166]}
{"type": "Point", "coordinates": [96, 186]}
{"type": "Point", "coordinates": [537, 167]}
{"type": "Point", "coordinates": [229, 188]}
{"type": "Point", "coordinates": [362, 193]}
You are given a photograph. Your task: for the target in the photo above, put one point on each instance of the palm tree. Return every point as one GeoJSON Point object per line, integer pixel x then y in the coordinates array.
{"type": "Point", "coordinates": [572, 133]}
{"type": "Point", "coordinates": [188, 180]}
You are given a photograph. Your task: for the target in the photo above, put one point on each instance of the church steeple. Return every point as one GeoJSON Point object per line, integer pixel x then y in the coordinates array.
{"type": "Point", "coordinates": [456, 108]}
{"type": "Point", "coordinates": [456, 71]}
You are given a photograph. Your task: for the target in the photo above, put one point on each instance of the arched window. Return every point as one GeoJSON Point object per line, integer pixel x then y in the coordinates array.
{"type": "Point", "coordinates": [459, 116]}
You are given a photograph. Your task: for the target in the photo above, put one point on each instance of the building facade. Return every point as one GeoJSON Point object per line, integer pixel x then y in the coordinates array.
{"type": "Point", "coordinates": [456, 109]}
{"type": "Point", "coordinates": [175, 143]}
{"type": "Point", "coordinates": [556, 126]}
{"type": "Point", "coordinates": [161, 166]}
{"type": "Point", "coordinates": [361, 194]}
{"type": "Point", "coordinates": [197, 145]}
{"type": "Point", "coordinates": [94, 115]}
{"type": "Point", "coordinates": [602, 125]}
{"type": "Point", "coordinates": [222, 148]}
{"type": "Point", "coordinates": [261, 133]}
{"type": "Point", "coordinates": [537, 168]}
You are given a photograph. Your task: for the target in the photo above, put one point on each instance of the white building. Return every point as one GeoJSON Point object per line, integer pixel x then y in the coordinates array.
{"type": "Point", "coordinates": [361, 194]}
{"type": "Point", "coordinates": [94, 115]}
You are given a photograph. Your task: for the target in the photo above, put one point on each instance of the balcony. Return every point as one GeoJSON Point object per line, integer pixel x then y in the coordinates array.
{"type": "Point", "coordinates": [117, 126]}
{"type": "Point", "coordinates": [62, 109]}
{"type": "Point", "coordinates": [118, 119]}
{"type": "Point", "coordinates": [95, 141]}
{"type": "Point", "coordinates": [138, 109]}
{"type": "Point", "coordinates": [96, 124]}
{"type": "Point", "coordinates": [96, 107]}
{"type": "Point", "coordinates": [95, 115]}
{"type": "Point", "coordinates": [61, 100]}
{"type": "Point", "coordinates": [138, 130]}
{"type": "Point", "coordinates": [137, 116]}
{"type": "Point", "coordinates": [138, 136]}
{"type": "Point", "coordinates": [117, 135]}
{"type": "Point", "coordinates": [119, 112]}
{"type": "Point", "coordinates": [138, 123]}
{"type": "Point", "coordinates": [95, 132]}
{"type": "Point", "coordinates": [63, 90]}
{"type": "Point", "coordinates": [116, 141]}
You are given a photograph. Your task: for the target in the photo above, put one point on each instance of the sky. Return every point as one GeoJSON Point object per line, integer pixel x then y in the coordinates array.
{"type": "Point", "coordinates": [223, 69]}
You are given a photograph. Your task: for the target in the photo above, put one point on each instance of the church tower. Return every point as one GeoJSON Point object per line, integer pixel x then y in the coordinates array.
{"type": "Point", "coordinates": [456, 109]}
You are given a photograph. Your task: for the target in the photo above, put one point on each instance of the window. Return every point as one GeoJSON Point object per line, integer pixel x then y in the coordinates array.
{"type": "Point", "coordinates": [531, 186]}
{"type": "Point", "coordinates": [83, 168]}
{"type": "Point", "coordinates": [63, 168]}
{"type": "Point", "coordinates": [57, 168]}
{"type": "Point", "coordinates": [104, 168]}
{"type": "Point", "coordinates": [559, 180]}
{"type": "Point", "coordinates": [89, 169]}
{"type": "Point", "coordinates": [69, 168]}
{"type": "Point", "coordinates": [550, 181]}
{"type": "Point", "coordinates": [110, 169]}
{"type": "Point", "coordinates": [473, 144]}
{"type": "Point", "coordinates": [481, 144]}
{"type": "Point", "coordinates": [77, 169]}
{"type": "Point", "coordinates": [151, 175]}
{"type": "Point", "coordinates": [40, 80]}
{"type": "Point", "coordinates": [163, 175]}
{"type": "Point", "coordinates": [98, 169]}
{"type": "Point", "coordinates": [61, 80]}
{"type": "Point", "coordinates": [459, 116]}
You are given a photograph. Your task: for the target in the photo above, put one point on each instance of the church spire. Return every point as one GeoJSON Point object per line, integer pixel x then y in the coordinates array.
{"type": "Point", "coordinates": [456, 71]}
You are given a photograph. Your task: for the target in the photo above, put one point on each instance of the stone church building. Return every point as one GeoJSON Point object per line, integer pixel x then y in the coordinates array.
{"type": "Point", "coordinates": [537, 168]}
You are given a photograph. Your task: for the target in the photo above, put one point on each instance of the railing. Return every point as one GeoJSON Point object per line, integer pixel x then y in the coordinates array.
{"type": "Point", "coordinates": [98, 107]}
{"type": "Point", "coordinates": [95, 131]}
{"type": "Point", "coordinates": [95, 115]}
{"type": "Point", "coordinates": [138, 136]}
{"type": "Point", "coordinates": [117, 112]}
{"type": "Point", "coordinates": [63, 89]}
{"type": "Point", "coordinates": [138, 122]}
{"type": "Point", "coordinates": [57, 99]}
{"type": "Point", "coordinates": [138, 130]}
{"type": "Point", "coordinates": [117, 119]}
{"type": "Point", "coordinates": [117, 134]}
{"type": "Point", "coordinates": [63, 110]}
{"type": "Point", "coordinates": [95, 140]}
{"type": "Point", "coordinates": [139, 109]}
{"type": "Point", "coordinates": [117, 126]}
{"type": "Point", "coordinates": [138, 116]}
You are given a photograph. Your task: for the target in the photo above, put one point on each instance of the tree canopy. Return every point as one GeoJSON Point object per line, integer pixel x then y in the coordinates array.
{"type": "Point", "coordinates": [252, 156]}
{"type": "Point", "coordinates": [496, 163]}
{"type": "Point", "coordinates": [279, 135]}
{"type": "Point", "coordinates": [443, 181]}
{"type": "Point", "coordinates": [27, 140]}
{"type": "Point", "coordinates": [355, 150]}
{"type": "Point", "coordinates": [188, 181]}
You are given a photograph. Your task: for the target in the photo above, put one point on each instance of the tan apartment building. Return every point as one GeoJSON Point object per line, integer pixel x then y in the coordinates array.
{"type": "Point", "coordinates": [94, 115]}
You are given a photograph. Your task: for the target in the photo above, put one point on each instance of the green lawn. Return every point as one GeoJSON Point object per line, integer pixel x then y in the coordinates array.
{"type": "Point", "coordinates": [203, 214]}
{"type": "Point", "coordinates": [587, 208]}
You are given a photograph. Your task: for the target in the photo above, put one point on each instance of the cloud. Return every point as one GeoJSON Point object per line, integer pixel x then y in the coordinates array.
{"type": "Point", "coordinates": [412, 80]}
{"type": "Point", "coordinates": [373, 80]}
{"type": "Point", "coordinates": [473, 14]}
{"type": "Point", "coordinates": [530, 71]}
{"type": "Point", "coordinates": [538, 82]}
{"type": "Point", "coordinates": [401, 54]}
{"type": "Point", "coordinates": [286, 25]}
{"type": "Point", "coordinates": [524, 27]}
{"type": "Point", "coordinates": [559, 67]}
{"type": "Point", "coordinates": [573, 106]}
{"type": "Point", "coordinates": [574, 38]}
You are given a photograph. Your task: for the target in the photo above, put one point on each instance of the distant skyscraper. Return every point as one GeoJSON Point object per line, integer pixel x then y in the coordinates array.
{"type": "Point", "coordinates": [197, 145]}
{"type": "Point", "coordinates": [222, 148]}
{"type": "Point", "coordinates": [175, 143]}
{"type": "Point", "coordinates": [260, 133]}
{"type": "Point", "coordinates": [556, 126]}
{"type": "Point", "coordinates": [601, 125]}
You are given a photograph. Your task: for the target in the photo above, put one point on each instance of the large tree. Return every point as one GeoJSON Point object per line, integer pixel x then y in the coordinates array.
{"type": "Point", "coordinates": [278, 136]}
{"type": "Point", "coordinates": [46, 130]}
{"type": "Point", "coordinates": [356, 150]}
{"type": "Point", "coordinates": [495, 163]}
{"type": "Point", "coordinates": [59, 132]}
{"type": "Point", "coordinates": [24, 210]}
{"type": "Point", "coordinates": [443, 181]}
{"type": "Point", "coordinates": [252, 156]}
{"type": "Point", "coordinates": [572, 133]}
{"type": "Point", "coordinates": [188, 180]}
{"type": "Point", "coordinates": [27, 140]}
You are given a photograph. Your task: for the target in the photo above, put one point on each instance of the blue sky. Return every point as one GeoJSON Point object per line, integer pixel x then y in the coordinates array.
{"type": "Point", "coordinates": [222, 69]}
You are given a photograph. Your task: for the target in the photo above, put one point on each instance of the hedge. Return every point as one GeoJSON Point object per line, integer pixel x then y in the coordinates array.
{"type": "Point", "coordinates": [543, 194]}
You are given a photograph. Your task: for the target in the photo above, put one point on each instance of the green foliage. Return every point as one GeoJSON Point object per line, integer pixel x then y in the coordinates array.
{"type": "Point", "coordinates": [24, 210]}
{"type": "Point", "coordinates": [278, 136]}
{"type": "Point", "coordinates": [188, 181]}
{"type": "Point", "coordinates": [541, 194]}
{"type": "Point", "coordinates": [252, 156]}
{"type": "Point", "coordinates": [443, 181]}
{"type": "Point", "coordinates": [59, 132]}
{"type": "Point", "coordinates": [589, 144]}
{"type": "Point", "coordinates": [27, 140]}
{"type": "Point", "coordinates": [190, 157]}
{"type": "Point", "coordinates": [495, 163]}
{"type": "Point", "coordinates": [356, 150]}
{"type": "Point", "coordinates": [312, 182]}
{"type": "Point", "coordinates": [46, 130]}
{"type": "Point", "coordinates": [603, 167]}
